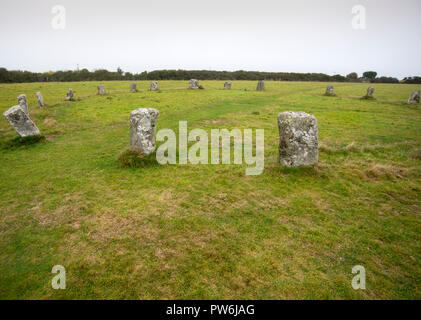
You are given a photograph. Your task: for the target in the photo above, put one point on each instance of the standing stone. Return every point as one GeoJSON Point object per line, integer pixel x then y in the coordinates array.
{"type": "Point", "coordinates": [227, 85]}
{"type": "Point", "coordinates": [330, 91]}
{"type": "Point", "coordinates": [298, 139]}
{"type": "Point", "coordinates": [40, 99]}
{"type": "Point", "coordinates": [194, 84]}
{"type": "Point", "coordinates": [370, 92]}
{"type": "Point", "coordinates": [142, 129]}
{"type": "Point", "coordinates": [23, 102]}
{"type": "Point", "coordinates": [415, 97]}
{"type": "Point", "coordinates": [21, 122]}
{"type": "Point", "coordinates": [154, 86]}
{"type": "Point", "coordinates": [133, 87]}
{"type": "Point", "coordinates": [261, 85]}
{"type": "Point", "coordinates": [69, 96]}
{"type": "Point", "coordinates": [101, 90]}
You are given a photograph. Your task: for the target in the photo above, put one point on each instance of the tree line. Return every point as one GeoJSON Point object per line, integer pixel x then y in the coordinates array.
{"type": "Point", "coordinates": [18, 76]}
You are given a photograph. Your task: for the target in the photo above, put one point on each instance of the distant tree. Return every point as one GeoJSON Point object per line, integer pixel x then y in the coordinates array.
{"type": "Point", "coordinates": [370, 75]}
{"type": "Point", "coordinates": [353, 76]}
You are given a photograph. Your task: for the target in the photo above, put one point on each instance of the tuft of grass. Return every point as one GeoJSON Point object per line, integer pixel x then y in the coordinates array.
{"type": "Point", "coordinates": [255, 113]}
{"type": "Point", "coordinates": [131, 158]}
{"type": "Point", "coordinates": [201, 87]}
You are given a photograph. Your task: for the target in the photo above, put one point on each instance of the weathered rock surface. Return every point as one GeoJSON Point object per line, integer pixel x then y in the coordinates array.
{"type": "Point", "coordinates": [142, 129]}
{"type": "Point", "coordinates": [194, 84]}
{"type": "Point", "coordinates": [101, 90]}
{"type": "Point", "coordinates": [23, 102]}
{"type": "Point", "coordinates": [298, 139]}
{"type": "Point", "coordinates": [227, 85]}
{"type": "Point", "coordinates": [21, 122]}
{"type": "Point", "coordinates": [415, 97]}
{"type": "Point", "coordinates": [370, 92]}
{"type": "Point", "coordinates": [69, 96]}
{"type": "Point", "coordinates": [40, 99]}
{"type": "Point", "coordinates": [330, 91]}
{"type": "Point", "coordinates": [261, 85]}
{"type": "Point", "coordinates": [133, 87]}
{"type": "Point", "coordinates": [154, 86]}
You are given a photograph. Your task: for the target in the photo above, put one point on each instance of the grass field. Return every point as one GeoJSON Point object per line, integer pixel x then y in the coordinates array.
{"type": "Point", "coordinates": [210, 231]}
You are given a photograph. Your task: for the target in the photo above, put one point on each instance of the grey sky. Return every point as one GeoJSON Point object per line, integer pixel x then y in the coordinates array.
{"type": "Point", "coordinates": [264, 35]}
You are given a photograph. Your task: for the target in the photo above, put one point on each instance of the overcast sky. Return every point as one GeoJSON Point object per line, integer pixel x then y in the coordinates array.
{"type": "Point", "coordinates": [263, 35]}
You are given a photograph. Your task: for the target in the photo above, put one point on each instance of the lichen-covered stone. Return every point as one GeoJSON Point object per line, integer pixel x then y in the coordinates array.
{"type": "Point", "coordinates": [142, 129]}
{"type": "Point", "coordinates": [154, 86]}
{"type": "Point", "coordinates": [101, 90]}
{"type": "Point", "coordinates": [69, 96]}
{"type": "Point", "coordinates": [21, 122]}
{"type": "Point", "coordinates": [40, 99]}
{"type": "Point", "coordinates": [23, 102]}
{"type": "Point", "coordinates": [370, 92]}
{"type": "Point", "coordinates": [227, 85]}
{"type": "Point", "coordinates": [330, 91]}
{"type": "Point", "coordinates": [298, 139]}
{"type": "Point", "coordinates": [415, 97]}
{"type": "Point", "coordinates": [133, 87]}
{"type": "Point", "coordinates": [194, 84]}
{"type": "Point", "coordinates": [261, 85]}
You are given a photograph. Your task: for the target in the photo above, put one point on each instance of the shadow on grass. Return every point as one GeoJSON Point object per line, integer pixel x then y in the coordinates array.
{"type": "Point", "coordinates": [131, 158]}
{"type": "Point", "coordinates": [23, 142]}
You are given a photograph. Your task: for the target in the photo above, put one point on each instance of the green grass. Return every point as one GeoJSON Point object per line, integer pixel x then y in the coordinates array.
{"type": "Point", "coordinates": [210, 231]}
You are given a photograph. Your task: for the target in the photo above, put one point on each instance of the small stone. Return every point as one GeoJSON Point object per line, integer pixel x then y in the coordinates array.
{"type": "Point", "coordinates": [101, 90]}
{"type": "Point", "coordinates": [415, 97]}
{"type": "Point", "coordinates": [261, 85]}
{"type": "Point", "coordinates": [298, 139]}
{"type": "Point", "coordinates": [133, 87]}
{"type": "Point", "coordinates": [40, 99]}
{"type": "Point", "coordinates": [227, 85]}
{"type": "Point", "coordinates": [154, 86]}
{"type": "Point", "coordinates": [69, 96]}
{"type": "Point", "coordinates": [23, 102]}
{"type": "Point", "coordinates": [142, 129]}
{"type": "Point", "coordinates": [194, 84]}
{"type": "Point", "coordinates": [370, 92]}
{"type": "Point", "coordinates": [330, 91]}
{"type": "Point", "coordinates": [21, 122]}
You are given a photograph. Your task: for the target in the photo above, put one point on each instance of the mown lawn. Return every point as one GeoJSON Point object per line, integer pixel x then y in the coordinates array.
{"type": "Point", "coordinates": [210, 231]}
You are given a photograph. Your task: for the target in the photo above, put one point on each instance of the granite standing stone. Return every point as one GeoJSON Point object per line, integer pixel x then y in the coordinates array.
{"type": "Point", "coordinates": [101, 90]}
{"type": "Point", "coordinates": [370, 92]}
{"type": "Point", "coordinates": [23, 102]}
{"type": "Point", "coordinates": [261, 85]}
{"type": "Point", "coordinates": [40, 99]}
{"type": "Point", "coordinates": [227, 85]}
{"type": "Point", "coordinates": [133, 87]}
{"type": "Point", "coordinates": [298, 139]}
{"type": "Point", "coordinates": [194, 84]}
{"type": "Point", "coordinates": [21, 122]}
{"type": "Point", "coordinates": [142, 129]}
{"type": "Point", "coordinates": [69, 96]}
{"type": "Point", "coordinates": [415, 97]}
{"type": "Point", "coordinates": [154, 86]}
{"type": "Point", "coordinates": [330, 91]}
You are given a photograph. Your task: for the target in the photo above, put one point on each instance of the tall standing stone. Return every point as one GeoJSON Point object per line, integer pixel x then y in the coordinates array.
{"type": "Point", "coordinates": [69, 96]}
{"type": "Point", "coordinates": [298, 139]}
{"type": "Point", "coordinates": [415, 97]}
{"type": "Point", "coordinates": [194, 84]}
{"type": "Point", "coordinates": [154, 86]}
{"type": "Point", "coordinates": [370, 92]}
{"type": "Point", "coordinates": [40, 99]}
{"type": "Point", "coordinates": [330, 91]}
{"type": "Point", "coordinates": [227, 85]}
{"type": "Point", "coordinates": [261, 85]}
{"type": "Point", "coordinates": [101, 90]}
{"type": "Point", "coordinates": [133, 87]}
{"type": "Point", "coordinates": [142, 129]}
{"type": "Point", "coordinates": [23, 102]}
{"type": "Point", "coordinates": [21, 122]}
